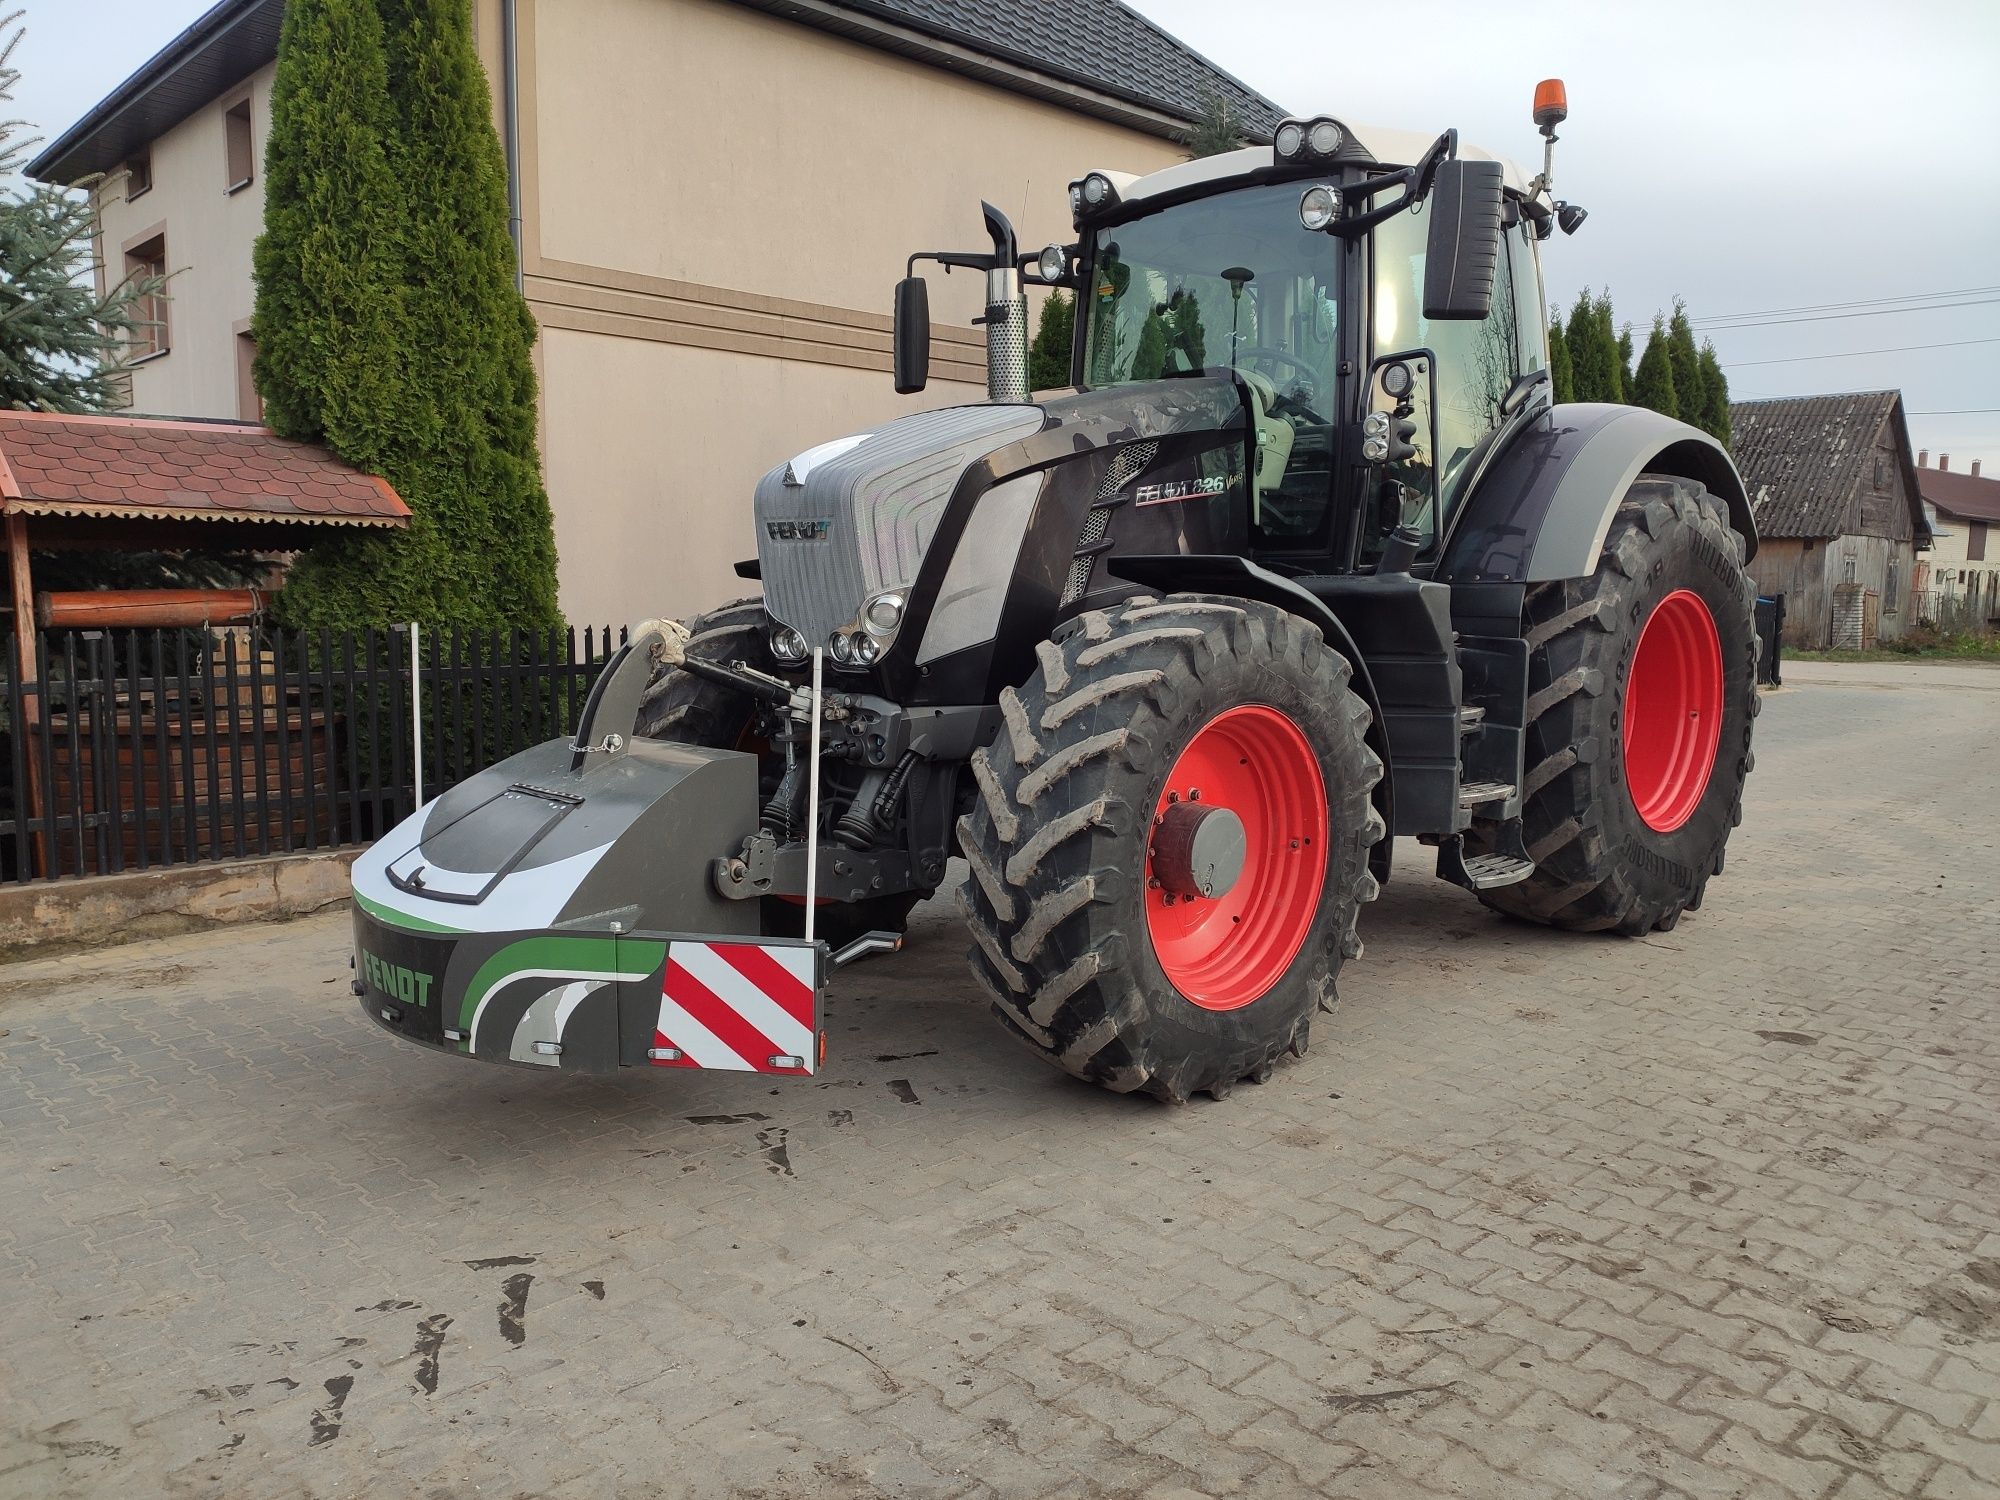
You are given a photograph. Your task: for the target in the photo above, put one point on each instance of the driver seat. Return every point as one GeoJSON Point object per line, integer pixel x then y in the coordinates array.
{"type": "Point", "coordinates": [1274, 441]}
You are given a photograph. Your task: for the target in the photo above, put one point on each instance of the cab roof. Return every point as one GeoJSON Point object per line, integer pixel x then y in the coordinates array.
{"type": "Point", "coordinates": [1391, 148]}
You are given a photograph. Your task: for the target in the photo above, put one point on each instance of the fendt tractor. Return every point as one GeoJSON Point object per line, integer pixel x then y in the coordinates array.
{"type": "Point", "coordinates": [1305, 559]}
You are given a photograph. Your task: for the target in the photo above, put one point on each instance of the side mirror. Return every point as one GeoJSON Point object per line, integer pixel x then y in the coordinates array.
{"type": "Point", "coordinates": [912, 335]}
{"type": "Point", "coordinates": [1462, 257]}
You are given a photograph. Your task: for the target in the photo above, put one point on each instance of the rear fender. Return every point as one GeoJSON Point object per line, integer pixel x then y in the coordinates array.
{"type": "Point", "coordinates": [1211, 573]}
{"type": "Point", "coordinates": [1542, 508]}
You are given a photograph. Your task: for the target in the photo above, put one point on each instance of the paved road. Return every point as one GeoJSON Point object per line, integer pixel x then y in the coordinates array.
{"type": "Point", "coordinates": [1712, 1213]}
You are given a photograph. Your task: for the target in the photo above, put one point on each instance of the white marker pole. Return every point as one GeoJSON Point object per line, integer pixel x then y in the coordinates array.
{"type": "Point", "coordinates": [416, 712]}
{"type": "Point", "coordinates": [812, 805]}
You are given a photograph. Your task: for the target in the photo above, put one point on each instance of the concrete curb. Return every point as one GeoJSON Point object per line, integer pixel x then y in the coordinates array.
{"type": "Point", "coordinates": [105, 909]}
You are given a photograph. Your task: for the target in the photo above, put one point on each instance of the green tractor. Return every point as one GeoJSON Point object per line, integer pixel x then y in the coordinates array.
{"type": "Point", "coordinates": [1307, 558]}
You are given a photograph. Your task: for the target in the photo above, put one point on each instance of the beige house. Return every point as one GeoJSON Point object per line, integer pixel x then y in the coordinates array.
{"type": "Point", "coordinates": [1960, 579]}
{"type": "Point", "coordinates": [715, 199]}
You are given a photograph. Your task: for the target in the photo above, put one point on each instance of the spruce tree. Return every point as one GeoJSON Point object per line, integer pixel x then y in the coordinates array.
{"type": "Point", "coordinates": [1562, 375]}
{"type": "Point", "coordinates": [62, 346]}
{"type": "Point", "coordinates": [1625, 356]}
{"type": "Point", "coordinates": [1653, 384]}
{"type": "Point", "coordinates": [1686, 359]}
{"type": "Point", "coordinates": [1714, 419]}
{"type": "Point", "coordinates": [1048, 355]}
{"type": "Point", "coordinates": [455, 431]}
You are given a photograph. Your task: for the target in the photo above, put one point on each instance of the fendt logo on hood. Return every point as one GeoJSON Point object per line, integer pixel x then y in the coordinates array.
{"type": "Point", "coordinates": [797, 531]}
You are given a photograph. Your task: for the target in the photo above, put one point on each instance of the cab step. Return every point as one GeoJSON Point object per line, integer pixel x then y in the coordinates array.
{"type": "Point", "coordinates": [1507, 865]}
{"type": "Point", "coordinates": [1479, 793]}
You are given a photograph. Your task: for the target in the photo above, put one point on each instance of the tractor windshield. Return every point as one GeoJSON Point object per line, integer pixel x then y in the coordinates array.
{"type": "Point", "coordinates": [1230, 282]}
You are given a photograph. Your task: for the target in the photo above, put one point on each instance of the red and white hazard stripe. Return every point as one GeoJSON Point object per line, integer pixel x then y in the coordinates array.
{"type": "Point", "coordinates": [741, 1007]}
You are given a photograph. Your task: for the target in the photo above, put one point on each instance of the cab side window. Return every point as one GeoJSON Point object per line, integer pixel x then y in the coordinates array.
{"type": "Point", "coordinates": [1476, 360]}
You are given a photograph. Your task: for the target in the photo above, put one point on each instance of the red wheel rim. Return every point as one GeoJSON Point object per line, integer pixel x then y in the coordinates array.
{"type": "Point", "coordinates": [1673, 711]}
{"type": "Point", "coordinates": [1224, 953]}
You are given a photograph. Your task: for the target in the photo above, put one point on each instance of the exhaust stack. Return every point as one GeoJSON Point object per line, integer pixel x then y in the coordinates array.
{"type": "Point", "coordinates": [1006, 316]}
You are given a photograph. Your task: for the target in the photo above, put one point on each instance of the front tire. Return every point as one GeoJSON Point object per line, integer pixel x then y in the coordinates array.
{"type": "Point", "coordinates": [1642, 688]}
{"type": "Point", "coordinates": [1136, 717]}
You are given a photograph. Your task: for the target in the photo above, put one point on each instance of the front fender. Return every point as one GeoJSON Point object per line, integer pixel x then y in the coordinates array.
{"type": "Point", "coordinates": [1542, 509]}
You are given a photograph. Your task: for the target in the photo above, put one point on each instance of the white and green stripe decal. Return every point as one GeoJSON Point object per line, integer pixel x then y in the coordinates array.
{"type": "Point", "coordinates": [555, 957]}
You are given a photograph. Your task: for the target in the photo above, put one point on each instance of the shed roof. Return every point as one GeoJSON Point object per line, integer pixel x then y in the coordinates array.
{"type": "Point", "coordinates": [180, 469]}
{"type": "Point", "coordinates": [1805, 458]}
{"type": "Point", "coordinates": [1968, 497]}
{"type": "Point", "coordinates": [1097, 56]}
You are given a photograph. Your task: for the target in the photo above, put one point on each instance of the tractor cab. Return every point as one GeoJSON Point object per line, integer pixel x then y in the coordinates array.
{"type": "Point", "coordinates": [1301, 272]}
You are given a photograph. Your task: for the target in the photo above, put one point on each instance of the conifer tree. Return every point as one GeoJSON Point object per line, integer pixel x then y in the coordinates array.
{"type": "Point", "coordinates": [1686, 360]}
{"type": "Point", "coordinates": [1653, 383]}
{"type": "Point", "coordinates": [1218, 129]}
{"type": "Point", "coordinates": [1048, 355]}
{"type": "Point", "coordinates": [1714, 418]}
{"type": "Point", "coordinates": [62, 346]}
{"type": "Point", "coordinates": [1611, 352]}
{"type": "Point", "coordinates": [382, 144]}
{"type": "Point", "coordinates": [1562, 377]}
{"type": "Point", "coordinates": [1625, 356]}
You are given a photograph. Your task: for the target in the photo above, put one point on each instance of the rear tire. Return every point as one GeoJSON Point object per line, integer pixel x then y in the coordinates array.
{"type": "Point", "coordinates": [1627, 821]}
{"type": "Point", "coordinates": [691, 710]}
{"type": "Point", "coordinates": [1079, 952]}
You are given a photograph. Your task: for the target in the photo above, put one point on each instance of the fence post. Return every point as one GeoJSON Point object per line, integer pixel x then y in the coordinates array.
{"type": "Point", "coordinates": [416, 716]}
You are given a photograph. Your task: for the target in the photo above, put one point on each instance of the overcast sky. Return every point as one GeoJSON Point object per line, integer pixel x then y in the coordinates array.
{"type": "Point", "coordinates": [1750, 156]}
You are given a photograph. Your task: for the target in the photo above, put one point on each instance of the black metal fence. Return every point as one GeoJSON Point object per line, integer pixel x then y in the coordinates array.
{"type": "Point", "coordinates": [136, 749]}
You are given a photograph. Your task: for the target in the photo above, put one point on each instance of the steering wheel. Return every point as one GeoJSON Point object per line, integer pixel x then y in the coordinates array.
{"type": "Point", "coordinates": [1308, 377]}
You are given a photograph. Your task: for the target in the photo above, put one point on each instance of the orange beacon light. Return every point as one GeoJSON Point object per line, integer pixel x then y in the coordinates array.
{"type": "Point", "coordinates": [1551, 104]}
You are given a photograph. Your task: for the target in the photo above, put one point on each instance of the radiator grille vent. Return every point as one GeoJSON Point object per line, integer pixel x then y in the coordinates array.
{"type": "Point", "coordinates": [1127, 464]}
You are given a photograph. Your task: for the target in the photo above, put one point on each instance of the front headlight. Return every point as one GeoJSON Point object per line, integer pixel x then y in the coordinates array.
{"type": "Point", "coordinates": [788, 645]}
{"type": "Point", "coordinates": [841, 646]}
{"type": "Point", "coordinates": [883, 614]}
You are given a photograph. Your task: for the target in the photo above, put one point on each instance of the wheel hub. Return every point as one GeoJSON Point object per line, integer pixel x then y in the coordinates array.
{"type": "Point", "coordinates": [1236, 858]}
{"type": "Point", "coordinates": [1198, 850]}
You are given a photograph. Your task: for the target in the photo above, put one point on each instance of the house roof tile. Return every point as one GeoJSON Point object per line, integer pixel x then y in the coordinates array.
{"type": "Point", "coordinates": [53, 463]}
{"type": "Point", "coordinates": [1967, 497]}
{"type": "Point", "coordinates": [1099, 56]}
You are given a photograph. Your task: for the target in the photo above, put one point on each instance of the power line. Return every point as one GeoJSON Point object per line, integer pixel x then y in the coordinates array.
{"type": "Point", "coordinates": [1963, 411]}
{"type": "Point", "coordinates": [1832, 317]}
{"type": "Point", "coordinates": [1772, 312]}
{"type": "Point", "coordinates": [1792, 359]}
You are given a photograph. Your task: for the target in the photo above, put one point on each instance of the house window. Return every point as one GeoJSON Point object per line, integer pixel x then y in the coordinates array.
{"type": "Point", "coordinates": [249, 404]}
{"type": "Point", "coordinates": [242, 149]}
{"type": "Point", "coordinates": [1847, 568]}
{"type": "Point", "coordinates": [1889, 588]}
{"type": "Point", "coordinates": [143, 261]}
{"type": "Point", "coordinates": [1975, 542]}
{"type": "Point", "coordinates": [1881, 473]}
{"type": "Point", "coordinates": [138, 177]}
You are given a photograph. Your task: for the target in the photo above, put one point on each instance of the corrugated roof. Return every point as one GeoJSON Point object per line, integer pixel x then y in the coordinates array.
{"type": "Point", "coordinates": [1964, 496]}
{"type": "Point", "coordinates": [1803, 458]}
{"type": "Point", "coordinates": [1099, 56]}
{"type": "Point", "coordinates": [158, 468]}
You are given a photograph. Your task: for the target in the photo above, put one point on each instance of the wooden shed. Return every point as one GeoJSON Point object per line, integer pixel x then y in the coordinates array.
{"type": "Point", "coordinates": [70, 482]}
{"type": "Point", "coordinates": [1840, 519]}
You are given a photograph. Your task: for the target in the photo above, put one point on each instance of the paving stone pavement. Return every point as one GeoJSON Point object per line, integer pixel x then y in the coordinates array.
{"type": "Point", "coordinates": [1712, 1213]}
